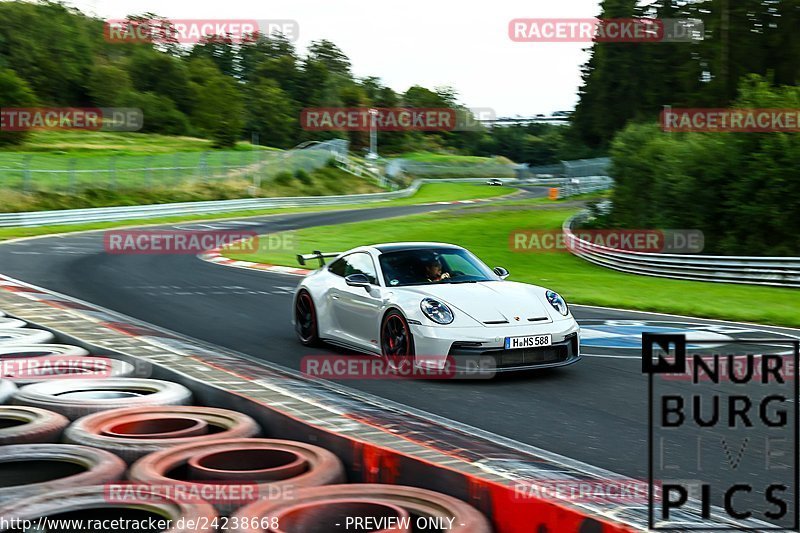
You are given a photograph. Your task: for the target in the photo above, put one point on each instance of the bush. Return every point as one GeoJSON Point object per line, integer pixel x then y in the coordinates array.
{"type": "Point", "coordinates": [302, 176]}
{"type": "Point", "coordinates": [160, 113]}
{"type": "Point", "coordinates": [284, 177]}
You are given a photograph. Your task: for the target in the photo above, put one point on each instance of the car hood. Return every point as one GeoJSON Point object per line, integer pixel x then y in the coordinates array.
{"type": "Point", "coordinates": [491, 301]}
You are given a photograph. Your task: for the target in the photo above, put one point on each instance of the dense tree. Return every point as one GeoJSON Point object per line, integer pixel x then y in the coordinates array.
{"type": "Point", "coordinates": [50, 46]}
{"type": "Point", "coordinates": [327, 53]}
{"type": "Point", "coordinates": [271, 114]}
{"type": "Point", "coordinates": [162, 74]}
{"type": "Point", "coordinates": [633, 81]}
{"type": "Point", "coordinates": [221, 51]}
{"type": "Point", "coordinates": [16, 93]}
{"type": "Point", "coordinates": [219, 108]}
{"type": "Point", "coordinates": [109, 85]}
{"type": "Point", "coordinates": [742, 186]}
{"type": "Point", "coordinates": [220, 88]}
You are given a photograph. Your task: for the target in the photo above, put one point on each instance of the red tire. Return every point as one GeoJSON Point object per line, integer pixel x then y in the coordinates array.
{"type": "Point", "coordinates": [30, 470]}
{"type": "Point", "coordinates": [225, 460]}
{"type": "Point", "coordinates": [75, 398]}
{"type": "Point", "coordinates": [192, 515]}
{"type": "Point", "coordinates": [321, 504]}
{"type": "Point", "coordinates": [26, 425]}
{"type": "Point", "coordinates": [134, 432]}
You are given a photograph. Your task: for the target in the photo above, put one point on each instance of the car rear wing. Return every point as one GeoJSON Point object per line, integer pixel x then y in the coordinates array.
{"type": "Point", "coordinates": [316, 254]}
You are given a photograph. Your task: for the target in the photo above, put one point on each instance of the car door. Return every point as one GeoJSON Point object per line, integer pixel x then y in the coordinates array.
{"type": "Point", "coordinates": [332, 297]}
{"type": "Point", "coordinates": [357, 308]}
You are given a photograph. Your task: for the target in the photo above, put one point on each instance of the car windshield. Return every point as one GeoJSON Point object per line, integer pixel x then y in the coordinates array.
{"type": "Point", "coordinates": [433, 265]}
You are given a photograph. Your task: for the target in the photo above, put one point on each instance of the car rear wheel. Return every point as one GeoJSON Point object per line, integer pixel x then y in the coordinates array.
{"type": "Point", "coordinates": [397, 344]}
{"type": "Point", "coordinates": [305, 319]}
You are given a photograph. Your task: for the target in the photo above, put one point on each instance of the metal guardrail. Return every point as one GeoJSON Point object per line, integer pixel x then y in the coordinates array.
{"type": "Point", "coordinates": [775, 271]}
{"type": "Point", "coordinates": [114, 214]}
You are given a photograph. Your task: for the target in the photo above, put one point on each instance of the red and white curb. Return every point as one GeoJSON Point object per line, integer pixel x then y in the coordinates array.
{"type": "Point", "coordinates": [215, 256]}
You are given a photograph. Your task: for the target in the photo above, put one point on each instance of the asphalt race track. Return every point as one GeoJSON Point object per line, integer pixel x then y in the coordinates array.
{"type": "Point", "coordinates": [594, 411]}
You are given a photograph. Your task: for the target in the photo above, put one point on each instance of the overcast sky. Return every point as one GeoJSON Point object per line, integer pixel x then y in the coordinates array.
{"type": "Point", "coordinates": [427, 42]}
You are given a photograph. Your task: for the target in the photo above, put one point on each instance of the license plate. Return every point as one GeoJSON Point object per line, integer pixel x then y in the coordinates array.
{"type": "Point", "coordinates": [528, 341]}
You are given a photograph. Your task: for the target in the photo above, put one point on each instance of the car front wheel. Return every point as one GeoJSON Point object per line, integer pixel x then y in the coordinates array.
{"type": "Point", "coordinates": [397, 343]}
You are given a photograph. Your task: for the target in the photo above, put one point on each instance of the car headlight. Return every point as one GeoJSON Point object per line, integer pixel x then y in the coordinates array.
{"type": "Point", "coordinates": [557, 302]}
{"type": "Point", "coordinates": [436, 311]}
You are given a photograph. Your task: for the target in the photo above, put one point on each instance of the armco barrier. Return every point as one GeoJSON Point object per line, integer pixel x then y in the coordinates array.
{"type": "Point", "coordinates": [114, 214]}
{"type": "Point", "coordinates": [776, 271]}
{"type": "Point", "coordinates": [378, 441]}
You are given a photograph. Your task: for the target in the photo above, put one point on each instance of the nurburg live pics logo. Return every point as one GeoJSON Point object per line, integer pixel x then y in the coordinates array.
{"type": "Point", "coordinates": [723, 445]}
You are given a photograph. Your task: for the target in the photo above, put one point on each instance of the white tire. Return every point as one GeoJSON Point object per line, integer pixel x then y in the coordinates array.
{"type": "Point", "coordinates": [24, 336]}
{"type": "Point", "coordinates": [25, 425]}
{"type": "Point", "coordinates": [75, 398]}
{"type": "Point", "coordinates": [39, 350]}
{"type": "Point", "coordinates": [7, 390]}
{"type": "Point", "coordinates": [31, 470]}
{"type": "Point", "coordinates": [6, 322]}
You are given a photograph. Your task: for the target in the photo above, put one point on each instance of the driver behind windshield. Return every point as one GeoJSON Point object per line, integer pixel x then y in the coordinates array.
{"type": "Point", "coordinates": [433, 270]}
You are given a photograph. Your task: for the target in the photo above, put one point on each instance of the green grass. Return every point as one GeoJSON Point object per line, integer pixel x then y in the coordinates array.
{"type": "Point", "coordinates": [448, 192]}
{"type": "Point", "coordinates": [486, 232]}
{"type": "Point", "coordinates": [100, 144]}
{"type": "Point", "coordinates": [431, 157]}
{"type": "Point", "coordinates": [433, 192]}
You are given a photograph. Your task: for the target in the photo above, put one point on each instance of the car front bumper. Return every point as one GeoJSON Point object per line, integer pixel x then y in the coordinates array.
{"type": "Point", "coordinates": [484, 347]}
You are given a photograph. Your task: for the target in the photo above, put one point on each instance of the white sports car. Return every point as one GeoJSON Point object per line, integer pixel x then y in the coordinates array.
{"type": "Point", "coordinates": [437, 303]}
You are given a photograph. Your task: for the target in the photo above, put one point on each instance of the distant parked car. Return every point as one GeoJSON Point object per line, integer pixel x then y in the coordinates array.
{"type": "Point", "coordinates": [494, 182]}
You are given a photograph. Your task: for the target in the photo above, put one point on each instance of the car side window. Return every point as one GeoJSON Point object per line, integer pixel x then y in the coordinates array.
{"type": "Point", "coordinates": [361, 263]}
{"type": "Point", "coordinates": [338, 267]}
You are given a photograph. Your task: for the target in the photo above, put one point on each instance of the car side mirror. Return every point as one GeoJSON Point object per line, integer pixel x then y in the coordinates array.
{"type": "Point", "coordinates": [500, 271]}
{"type": "Point", "coordinates": [358, 280]}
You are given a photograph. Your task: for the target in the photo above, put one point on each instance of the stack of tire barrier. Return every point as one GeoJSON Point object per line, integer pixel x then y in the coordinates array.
{"type": "Point", "coordinates": [114, 446]}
